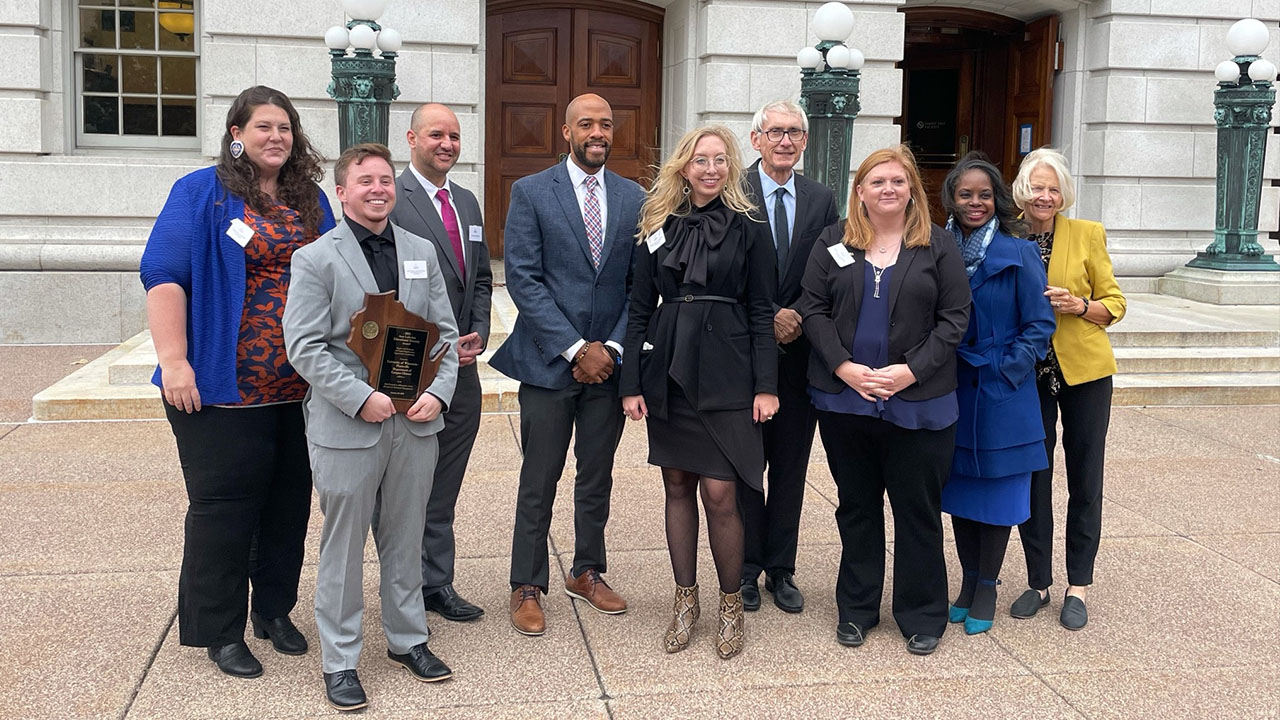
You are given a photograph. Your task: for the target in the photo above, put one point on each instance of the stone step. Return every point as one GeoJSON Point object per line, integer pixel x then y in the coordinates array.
{"type": "Point", "coordinates": [1253, 338]}
{"type": "Point", "coordinates": [87, 393]}
{"type": "Point", "coordinates": [136, 367]}
{"type": "Point", "coordinates": [1257, 388]}
{"type": "Point", "coordinates": [1197, 359]}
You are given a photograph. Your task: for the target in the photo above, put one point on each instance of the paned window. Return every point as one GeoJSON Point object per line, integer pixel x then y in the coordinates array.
{"type": "Point", "coordinates": [135, 73]}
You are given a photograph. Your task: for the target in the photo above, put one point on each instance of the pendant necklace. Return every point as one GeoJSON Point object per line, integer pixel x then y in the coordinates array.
{"type": "Point", "coordinates": [877, 272]}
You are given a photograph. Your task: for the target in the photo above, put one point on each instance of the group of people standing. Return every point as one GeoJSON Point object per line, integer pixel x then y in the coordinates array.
{"type": "Point", "coordinates": [727, 305]}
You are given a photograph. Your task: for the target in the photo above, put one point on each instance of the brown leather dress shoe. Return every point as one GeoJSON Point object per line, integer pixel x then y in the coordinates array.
{"type": "Point", "coordinates": [591, 587]}
{"type": "Point", "coordinates": [526, 610]}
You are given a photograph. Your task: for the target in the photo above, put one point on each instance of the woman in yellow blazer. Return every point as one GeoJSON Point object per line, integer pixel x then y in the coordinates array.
{"type": "Point", "coordinates": [1075, 379]}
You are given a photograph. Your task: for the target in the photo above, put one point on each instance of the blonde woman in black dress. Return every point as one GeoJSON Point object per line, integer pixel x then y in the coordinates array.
{"type": "Point", "coordinates": [702, 365]}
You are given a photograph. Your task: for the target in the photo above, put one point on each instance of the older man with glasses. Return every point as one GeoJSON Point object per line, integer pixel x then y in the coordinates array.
{"type": "Point", "coordinates": [798, 209]}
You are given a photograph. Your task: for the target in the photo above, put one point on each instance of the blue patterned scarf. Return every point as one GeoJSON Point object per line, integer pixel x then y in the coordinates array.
{"type": "Point", "coordinates": [973, 249]}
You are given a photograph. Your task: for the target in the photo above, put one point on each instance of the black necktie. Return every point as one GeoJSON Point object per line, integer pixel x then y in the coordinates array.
{"type": "Point", "coordinates": [381, 254]}
{"type": "Point", "coordinates": [780, 233]}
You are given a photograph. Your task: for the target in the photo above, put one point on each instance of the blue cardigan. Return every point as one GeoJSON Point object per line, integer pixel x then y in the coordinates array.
{"type": "Point", "coordinates": [189, 246]}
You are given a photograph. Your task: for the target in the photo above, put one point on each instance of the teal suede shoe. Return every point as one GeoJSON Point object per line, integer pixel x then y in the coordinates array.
{"type": "Point", "coordinates": [957, 614]}
{"type": "Point", "coordinates": [973, 626]}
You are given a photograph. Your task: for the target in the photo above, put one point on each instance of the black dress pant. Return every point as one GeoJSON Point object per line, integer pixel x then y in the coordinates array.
{"type": "Point", "coordinates": [869, 456]}
{"type": "Point", "coordinates": [1086, 414]}
{"type": "Point", "coordinates": [547, 420]}
{"type": "Point", "coordinates": [248, 482]}
{"type": "Point", "coordinates": [771, 527]}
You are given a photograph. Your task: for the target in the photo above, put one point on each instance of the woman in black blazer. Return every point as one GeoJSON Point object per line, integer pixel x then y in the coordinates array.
{"type": "Point", "coordinates": [885, 303]}
{"type": "Point", "coordinates": [702, 366]}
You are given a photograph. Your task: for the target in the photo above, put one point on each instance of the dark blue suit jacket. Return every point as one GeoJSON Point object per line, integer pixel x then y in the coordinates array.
{"type": "Point", "coordinates": [561, 296]}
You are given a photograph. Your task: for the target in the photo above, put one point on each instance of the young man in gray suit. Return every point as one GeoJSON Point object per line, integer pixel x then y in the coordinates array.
{"type": "Point", "coordinates": [433, 207]}
{"type": "Point", "coordinates": [569, 237]}
{"type": "Point", "coordinates": [360, 447]}
{"type": "Point", "coordinates": [798, 209]}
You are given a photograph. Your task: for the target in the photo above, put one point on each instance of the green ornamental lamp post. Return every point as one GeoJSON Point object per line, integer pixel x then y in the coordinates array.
{"type": "Point", "coordinates": [363, 85]}
{"type": "Point", "coordinates": [1242, 109]}
{"type": "Point", "coordinates": [829, 76]}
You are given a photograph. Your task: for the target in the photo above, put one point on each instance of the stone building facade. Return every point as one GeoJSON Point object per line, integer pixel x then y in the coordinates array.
{"type": "Point", "coordinates": [1131, 108]}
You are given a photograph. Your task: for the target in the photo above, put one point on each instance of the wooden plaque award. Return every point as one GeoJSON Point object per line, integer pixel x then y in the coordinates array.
{"type": "Point", "coordinates": [393, 343]}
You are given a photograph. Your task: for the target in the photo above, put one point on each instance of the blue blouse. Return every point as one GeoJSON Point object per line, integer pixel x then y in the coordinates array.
{"type": "Point", "coordinates": [871, 348]}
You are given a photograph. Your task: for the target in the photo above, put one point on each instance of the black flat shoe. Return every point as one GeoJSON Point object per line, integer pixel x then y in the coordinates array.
{"type": "Point", "coordinates": [1028, 604]}
{"type": "Point", "coordinates": [236, 660]}
{"type": "Point", "coordinates": [343, 690]}
{"type": "Point", "coordinates": [850, 634]}
{"type": "Point", "coordinates": [422, 664]}
{"type": "Point", "coordinates": [1074, 616]}
{"type": "Point", "coordinates": [750, 590]}
{"type": "Point", "coordinates": [450, 605]}
{"type": "Point", "coordinates": [922, 644]}
{"type": "Point", "coordinates": [285, 637]}
{"type": "Point", "coordinates": [786, 595]}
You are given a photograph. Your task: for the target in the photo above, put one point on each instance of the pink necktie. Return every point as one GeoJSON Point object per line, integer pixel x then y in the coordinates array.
{"type": "Point", "coordinates": [450, 219]}
{"type": "Point", "coordinates": [591, 216]}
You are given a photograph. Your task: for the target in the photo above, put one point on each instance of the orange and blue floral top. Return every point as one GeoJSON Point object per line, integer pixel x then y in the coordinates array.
{"type": "Point", "coordinates": [263, 373]}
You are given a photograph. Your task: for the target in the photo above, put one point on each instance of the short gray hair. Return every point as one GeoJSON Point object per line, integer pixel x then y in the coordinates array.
{"type": "Point", "coordinates": [781, 107]}
{"type": "Point", "coordinates": [1055, 161]}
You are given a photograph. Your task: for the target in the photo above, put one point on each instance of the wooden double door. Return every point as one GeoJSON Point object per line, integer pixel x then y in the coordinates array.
{"type": "Point", "coordinates": [541, 56]}
{"type": "Point", "coordinates": [975, 81]}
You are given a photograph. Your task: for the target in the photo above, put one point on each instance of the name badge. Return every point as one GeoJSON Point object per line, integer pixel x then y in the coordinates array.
{"type": "Point", "coordinates": [415, 269]}
{"type": "Point", "coordinates": [475, 233]}
{"type": "Point", "coordinates": [841, 255]}
{"type": "Point", "coordinates": [240, 232]}
{"type": "Point", "coordinates": [655, 241]}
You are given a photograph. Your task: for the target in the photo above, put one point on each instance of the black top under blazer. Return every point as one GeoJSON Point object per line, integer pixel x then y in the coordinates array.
{"type": "Point", "coordinates": [929, 303]}
{"type": "Point", "coordinates": [721, 353]}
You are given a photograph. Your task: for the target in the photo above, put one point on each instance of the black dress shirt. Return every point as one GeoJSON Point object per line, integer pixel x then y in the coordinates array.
{"type": "Point", "coordinates": [380, 251]}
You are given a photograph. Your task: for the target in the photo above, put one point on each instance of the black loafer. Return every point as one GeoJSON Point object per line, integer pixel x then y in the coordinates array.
{"type": "Point", "coordinates": [1074, 616]}
{"type": "Point", "coordinates": [284, 636]}
{"type": "Point", "coordinates": [922, 644]}
{"type": "Point", "coordinates": [1028, 604]}
{"type": "Point", "coordinates": [236, 660]}
{"type": "Point", "coordinates": [450, 605]}
{"type": "Point", "coordinates": [421, 664]}
{"type": "Point", "coordinates": [850, 634]}
{"type": "Point", "coordinates": [786, 595]}
{"type": "Point", "coordinates": [750, 590]}
{"type": "Point", "coordinates": [343, 690]}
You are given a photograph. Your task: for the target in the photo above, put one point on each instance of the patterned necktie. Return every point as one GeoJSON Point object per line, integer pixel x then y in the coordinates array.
{"type": "Point", "coordinates": [450, 219]}
{"type": "Point", "coordinates": [591, 216]}
{"type": "Point", "coordinates": [781, 234]}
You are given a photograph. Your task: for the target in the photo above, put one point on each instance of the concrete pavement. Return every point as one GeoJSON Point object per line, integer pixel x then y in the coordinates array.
{"type": "Point", "coordinates": [1183, 617]}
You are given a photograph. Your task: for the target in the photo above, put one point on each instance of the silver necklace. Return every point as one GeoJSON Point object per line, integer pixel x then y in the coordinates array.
{"type": "Point", "coordinates": [877, 272]}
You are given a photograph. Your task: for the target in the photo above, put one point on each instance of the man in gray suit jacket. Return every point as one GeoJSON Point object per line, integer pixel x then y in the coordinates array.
{"type": "Point", "coordinates": [432, 206]}
{"type": "Point", "coordinates": [360, 446]}
{"type": "Point", "coordinates": [569, 238]}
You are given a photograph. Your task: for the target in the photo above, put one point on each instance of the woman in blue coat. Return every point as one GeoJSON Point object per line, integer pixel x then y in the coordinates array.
{"type": "Point", "coordinates": [999, 439]}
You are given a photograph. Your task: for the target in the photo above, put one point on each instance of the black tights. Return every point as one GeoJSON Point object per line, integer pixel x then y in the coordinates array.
{"type": "Point", "coordinates": [981, 549]}
{"type": "Point", "coordinates": [724, 527]}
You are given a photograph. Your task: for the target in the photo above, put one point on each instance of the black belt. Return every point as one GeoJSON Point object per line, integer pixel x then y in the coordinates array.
{"type": "Point", "coordinates": [700, 298]}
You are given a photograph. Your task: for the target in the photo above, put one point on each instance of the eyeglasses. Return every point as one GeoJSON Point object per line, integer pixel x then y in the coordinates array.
{"type": "Point", "coordinates": [703, 162]}
{"type": "Point", "coordinates": [775, 134]}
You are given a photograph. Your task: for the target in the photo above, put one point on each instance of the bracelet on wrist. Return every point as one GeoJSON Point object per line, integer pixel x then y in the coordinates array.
{"type": "Point", "coordinates": [1085, 308]}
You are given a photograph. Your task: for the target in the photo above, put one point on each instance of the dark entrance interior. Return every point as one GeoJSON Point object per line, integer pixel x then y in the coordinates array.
{"type": "Point", "coordinates": [974, 80]}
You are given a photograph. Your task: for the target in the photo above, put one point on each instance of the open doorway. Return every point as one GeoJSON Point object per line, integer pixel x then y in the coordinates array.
{"type": "Point", "coordinates": [974, 80]}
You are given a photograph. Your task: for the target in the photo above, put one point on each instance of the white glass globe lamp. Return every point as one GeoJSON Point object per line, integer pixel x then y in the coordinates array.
{"type": "Point", "coordinates": [1248, 37]}
{"type": "Point", "coordinates": [833, 22]}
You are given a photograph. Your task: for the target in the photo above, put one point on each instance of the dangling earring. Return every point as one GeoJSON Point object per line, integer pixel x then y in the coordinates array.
{"type": "Point", "coordinates": [685, 189]}
{"type": "Point", "coordinates": [237, 149]}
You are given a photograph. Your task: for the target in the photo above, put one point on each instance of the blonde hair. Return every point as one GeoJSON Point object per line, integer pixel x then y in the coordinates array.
{"type": "Point", "coordinates": [669, 194]}
{"type": "Point", "coordinates": [1053, 160]}
{"type": "Point", "coordinates": [858, 232]}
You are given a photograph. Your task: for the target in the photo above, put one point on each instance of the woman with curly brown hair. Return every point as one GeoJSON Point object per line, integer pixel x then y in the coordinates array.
{"type": "Point", "coordinates": [216, 269]}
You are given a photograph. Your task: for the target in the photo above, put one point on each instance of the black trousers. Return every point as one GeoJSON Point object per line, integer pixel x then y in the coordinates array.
{"type": "Point", "coordinates": [461, 424]}
{"type": "Point", "coordinates": [248, 484]}
{"type": "Point", "coordinates": [771, 527]}
{"type": "Point", "coordinates": [1086, 414]}
{"type": "Point", "coordinates": [547, 420]}
{"type": "Point", "coordinates": [869, 456]}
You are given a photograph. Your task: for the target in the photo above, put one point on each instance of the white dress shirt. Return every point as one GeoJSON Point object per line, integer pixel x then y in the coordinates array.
{"type": "Point", "coordinates": [578, 177]}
